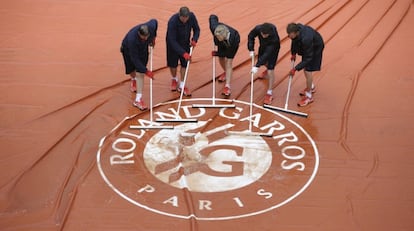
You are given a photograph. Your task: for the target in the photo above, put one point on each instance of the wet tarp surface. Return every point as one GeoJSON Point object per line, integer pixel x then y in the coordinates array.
{"type": "Point", "coordinates": [63, 89]}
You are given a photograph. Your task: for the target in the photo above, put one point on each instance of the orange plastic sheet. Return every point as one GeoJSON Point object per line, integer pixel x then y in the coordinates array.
{"type": "Point", "coordinates": [63, 89]}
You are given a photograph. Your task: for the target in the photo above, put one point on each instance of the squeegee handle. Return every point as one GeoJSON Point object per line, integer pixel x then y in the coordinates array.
{"type": "Point", "coordinates": [185, 82]}
{"type": "Point", "coordinates": [289, 84]}
{"type": "Point", "coordinates": [151, 48]}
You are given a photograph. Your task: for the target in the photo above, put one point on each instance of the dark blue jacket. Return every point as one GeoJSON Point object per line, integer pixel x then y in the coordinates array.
{"type": "Point", "coordinates": [234, 39]}
{"type": "Point", "coordinates": [267, 46]}
{"type": "Point", "coordinates": [137, 48]}
{"type": "Point", "coordinates": [307, 42]}
{"type": "Point", "coordinates": [178, 33]}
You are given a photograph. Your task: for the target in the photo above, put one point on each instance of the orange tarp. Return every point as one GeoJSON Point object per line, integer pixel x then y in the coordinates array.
{"type": "Point", "coordinates": [63, 88]}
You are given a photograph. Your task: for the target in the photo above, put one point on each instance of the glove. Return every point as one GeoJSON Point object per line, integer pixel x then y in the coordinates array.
{"type": "Point", "coordinates": [186, 56]}
{"type": "Point", "coordinates": [254, 70]}
{"type": "Point", "coordinates": [251, 53]}
{"type": "Point", "coordinates": [214, 53]}
{"type": "Point", "coordinates": [292, 72]}
{"type": "Point", "coordinates": [150, 74]}
{"type": "Point", "coordinates": [152, 43]}
{"type": "Point", "coordinates": [293, 57]}
{"type": "Point", "coordinates": [193, 43]}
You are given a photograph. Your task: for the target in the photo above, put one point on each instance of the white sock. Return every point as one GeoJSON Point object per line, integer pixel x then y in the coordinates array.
{"type": "Point", "coordinates": [269, 92]}
{"type": "Point", "coordinates": [308, 94]}
{"type": "Point", "coordinates": [175, 78]}
{"type": "Point", "coordinates": [227, 85]}
{"type": "Point", "coordinates": [138, 97]}
{"type": "Point", "coordinates": [181, 85]}
{"type": "Point", "coordinates": [133, 79]}
{"type": "Point", "coordinates": [313, 86]}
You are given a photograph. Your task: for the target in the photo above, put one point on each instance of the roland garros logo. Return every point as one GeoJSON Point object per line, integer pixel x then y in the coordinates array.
{"type": "Point", "coordinates": [201, 170]}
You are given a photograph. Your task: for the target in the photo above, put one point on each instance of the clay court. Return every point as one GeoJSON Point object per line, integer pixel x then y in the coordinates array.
{"type": "Point", "coordinates": [66, 109]}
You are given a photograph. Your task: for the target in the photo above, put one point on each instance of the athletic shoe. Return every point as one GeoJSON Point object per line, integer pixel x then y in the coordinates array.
{"type": "Point", "coordinates": [303, 92]}
{"type": "Point", "coordinates": [222, 77]}
{"type": "Point", "coordinates": [140, 104]}
{"type": "Point", "coordinates": [268, 99]}
{"type": "Point", "coordinates": [133, 86]}
{"type": "Point", "coordinates": [262, 75]}
{"type": "Point", "coordinates": [226, 91]}
{"type": "Point", "coordinates": [174, 84]}
{"type": "Point", "coordinates": [186, 91]}
{"type": "Point", "coordinates": [305, 101]}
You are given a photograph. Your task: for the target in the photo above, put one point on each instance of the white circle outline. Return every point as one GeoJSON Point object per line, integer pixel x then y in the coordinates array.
{"type": "Point", "coordinates": [212, 218]}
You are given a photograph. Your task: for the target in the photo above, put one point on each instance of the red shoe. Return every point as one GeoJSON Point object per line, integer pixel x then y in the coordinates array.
{"type": "Point", "coordinates": [174, 84]}
{"type": "Point", "coordinates": [226, 91]}
{"type": "Point", "coordinates": [222, 77]}
{"type": "Point", "coordinates": [268, 99]}
{"type": "Point", "coordinates": [303, 92]}
{"type": "Point", "coordinates": [186, 91]}
{"type": "Point", "coordinates": [305, 101]}
{"type": "Point", "coordinates": [133, 86]}
{"type": "Point", "coordinates": [140, 104]}
{"type": "Point", "coordinates": [262, 75]}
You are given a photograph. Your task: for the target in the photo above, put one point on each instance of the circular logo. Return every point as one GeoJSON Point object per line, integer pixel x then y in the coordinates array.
{"type": "Point", "coordinates": [212, 164]}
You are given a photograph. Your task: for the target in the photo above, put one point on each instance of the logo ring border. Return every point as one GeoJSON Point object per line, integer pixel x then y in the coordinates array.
{"type": "Point", "coordinates": [305, 186]}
